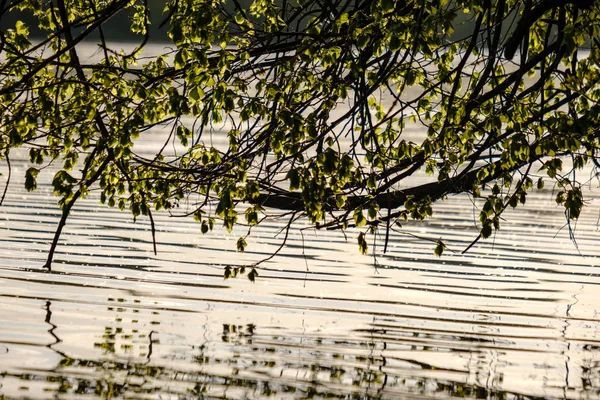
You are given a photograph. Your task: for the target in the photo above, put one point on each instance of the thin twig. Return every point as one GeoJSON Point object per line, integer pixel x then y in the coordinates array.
{"type": "Point", "coordinates": [7, 179]}
{"type": "Point", "coordinates": [153, 229]}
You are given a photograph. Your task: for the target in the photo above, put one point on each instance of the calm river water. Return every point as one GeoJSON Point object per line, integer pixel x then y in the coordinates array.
{"type": "Point", "coordinates": [515, 318]}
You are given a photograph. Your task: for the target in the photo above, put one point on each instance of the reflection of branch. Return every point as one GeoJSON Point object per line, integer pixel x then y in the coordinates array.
{"type": "Point", "coordinates": [383, 364]}
{"type": "Point", "coordinates": [48, 320]}
{"type": "Point", "coordinates": [563, 334]}
{"type": "Point", "coordinates": [150, 344]}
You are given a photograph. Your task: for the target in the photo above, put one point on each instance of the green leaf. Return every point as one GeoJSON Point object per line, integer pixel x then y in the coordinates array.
{"type": "Point", "coordinates": [362, 243]}
{"type": "Point", "coordinates": [439, 248]}
{"type": "Point", "coordinates": [252, 275]}
{"type": "Point", "coordinates": [196, 94]}
{"type": "Point", "coordinates": [294, 177]}
{"type": "Point", "coordinates": [388, 5]}
{"type": "Point", "coordinates": [540, 184]}
{"type": "Point", "coordinates": [486, 230]}
{"type": "Point", "coordinates": [241, 244]}
{"type": "Point", "coordinates": [21, 29]}
{"type": "Point", "coordinates": [359, 218]}
{"type": "Point", "coordinates": [31, 179]}
{"type": "Point", "coordinates": [372, 211]}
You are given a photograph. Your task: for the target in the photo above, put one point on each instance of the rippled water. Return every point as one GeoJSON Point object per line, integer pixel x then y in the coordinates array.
{"type": "Point", "coordinates": [516, 317]}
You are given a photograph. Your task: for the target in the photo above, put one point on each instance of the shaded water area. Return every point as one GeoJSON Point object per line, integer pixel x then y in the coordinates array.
{"type": "Point", "coordinates": [516, 317]}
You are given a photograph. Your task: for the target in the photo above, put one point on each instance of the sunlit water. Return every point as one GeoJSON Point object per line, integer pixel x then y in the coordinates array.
{"type": "Point", "coordinates": [514, 318]}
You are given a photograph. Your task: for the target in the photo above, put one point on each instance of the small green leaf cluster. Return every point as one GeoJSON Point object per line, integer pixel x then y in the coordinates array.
{"type": "Point", "coordinates": [234, 272]}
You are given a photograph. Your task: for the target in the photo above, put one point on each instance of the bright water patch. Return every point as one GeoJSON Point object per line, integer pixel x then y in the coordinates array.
{"type": "Point", "coordinates": [516, 317]}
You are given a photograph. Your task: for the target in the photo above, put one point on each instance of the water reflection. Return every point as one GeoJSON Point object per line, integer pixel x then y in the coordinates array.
{"type": "Point", "coordinates": [135, 356]}
{"type": "Point", "coordinates": [516, 318]}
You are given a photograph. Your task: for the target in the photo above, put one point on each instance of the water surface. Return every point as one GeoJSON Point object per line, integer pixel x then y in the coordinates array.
{"type": "Point", "coordinates": [514, 318]}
